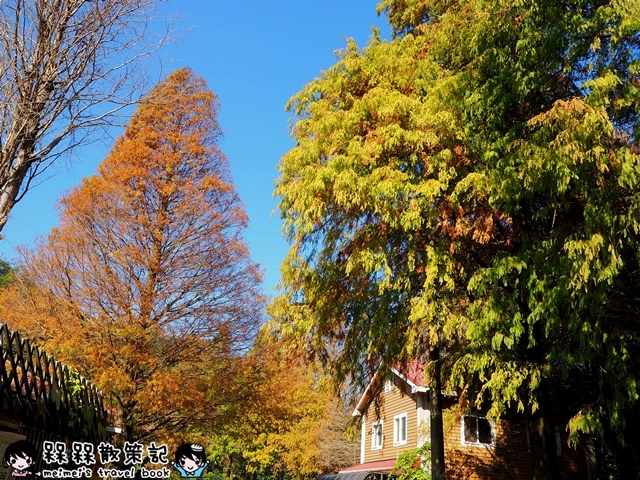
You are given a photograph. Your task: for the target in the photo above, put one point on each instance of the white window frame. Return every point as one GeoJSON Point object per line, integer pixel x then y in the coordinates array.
{"type": "Point", "coordinates": [374, 437]}
{"type": "Point", "coordinates": [492, 425]}
{"type": "Point", "coordinates": [397, 421]}
{"type": "Point", "coordinates": [388, 385]}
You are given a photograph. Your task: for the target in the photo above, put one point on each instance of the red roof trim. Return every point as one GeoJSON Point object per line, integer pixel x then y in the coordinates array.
{"type": "Point", "coordinates": [384, 466]}
{"type": "Point", "coordinates": [412, 374]}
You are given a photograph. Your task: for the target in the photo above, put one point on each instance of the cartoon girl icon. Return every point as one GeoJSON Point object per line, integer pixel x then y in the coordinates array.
{"type": "Point", "coordinates": [191, 460]}
{"type": "Point", "coordinates": [21, 456]}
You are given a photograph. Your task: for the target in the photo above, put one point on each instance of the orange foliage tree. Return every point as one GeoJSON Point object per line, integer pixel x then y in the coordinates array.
{"type": "Point", "coordinates": [147, 284]}
{"type": "Point", "coordinates": [293, 425]}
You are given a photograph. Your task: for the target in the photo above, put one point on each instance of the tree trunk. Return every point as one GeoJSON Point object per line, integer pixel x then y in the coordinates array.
{"type": "Point", "coordinates": [542, 440]}
{"type": "Point", "coordinates": [626, 466]}
{"type": "Point", "coordinates": [543, 448]}
{"type": "Point", "coordinates": [435, 410]}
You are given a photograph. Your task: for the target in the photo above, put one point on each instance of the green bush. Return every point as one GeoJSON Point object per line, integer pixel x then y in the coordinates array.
{"type": "Point", "coordinates": [414, 464]}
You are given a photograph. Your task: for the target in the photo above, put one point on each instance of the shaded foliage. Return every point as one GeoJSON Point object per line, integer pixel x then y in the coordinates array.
{"type": "Point", "coordinates": [7, 272]}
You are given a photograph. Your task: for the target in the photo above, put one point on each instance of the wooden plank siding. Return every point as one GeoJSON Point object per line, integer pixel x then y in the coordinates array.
{"type": "Point", "coordinates": [508, 458]}
{"type": "Point", "coordinates": [397, 401]}
{"type": "Point", "coordinates": [484, 462]}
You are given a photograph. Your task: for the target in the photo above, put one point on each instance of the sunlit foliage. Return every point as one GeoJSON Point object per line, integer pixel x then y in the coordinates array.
{"type": "Point", "coordinates": [473, 183]}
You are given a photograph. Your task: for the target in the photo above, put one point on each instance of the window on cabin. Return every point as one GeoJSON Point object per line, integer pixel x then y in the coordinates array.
{"type": "Point", "coordinates": [376, 436]}
{"type": "Point", "coordinates": [477, 431]}
{"type": "Point", "coordinates": [388, 385]}
{"type": "Point", "coordinates": [400, 429]}
{"type": "Point", "coordinates": [557, 437]}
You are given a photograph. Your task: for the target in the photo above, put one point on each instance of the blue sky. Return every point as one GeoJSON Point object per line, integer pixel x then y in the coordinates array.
{"type": "Point", "coordinates": [254, 55]}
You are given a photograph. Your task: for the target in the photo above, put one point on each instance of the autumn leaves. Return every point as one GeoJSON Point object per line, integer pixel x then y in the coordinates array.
{"type": "Point", "coordinates": [146, 284]}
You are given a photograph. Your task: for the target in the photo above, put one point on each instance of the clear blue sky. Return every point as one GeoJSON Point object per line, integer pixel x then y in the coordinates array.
{"type": "Point", "coordinates": [254, 54]}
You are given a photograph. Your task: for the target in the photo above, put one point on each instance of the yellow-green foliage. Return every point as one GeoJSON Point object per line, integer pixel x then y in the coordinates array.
{"type": "Point", "coordinates": [473, 183]}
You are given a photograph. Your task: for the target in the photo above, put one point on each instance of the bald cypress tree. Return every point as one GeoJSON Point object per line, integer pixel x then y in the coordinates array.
{"type": "Point", "coordinates": [472, 184]}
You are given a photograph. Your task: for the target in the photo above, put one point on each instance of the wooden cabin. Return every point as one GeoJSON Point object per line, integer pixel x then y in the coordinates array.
{"type": "Point", "coordinates": [476, 448]}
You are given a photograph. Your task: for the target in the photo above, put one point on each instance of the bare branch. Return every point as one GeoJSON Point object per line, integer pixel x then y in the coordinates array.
{"type": "Point", "coordinates": [67, 67]}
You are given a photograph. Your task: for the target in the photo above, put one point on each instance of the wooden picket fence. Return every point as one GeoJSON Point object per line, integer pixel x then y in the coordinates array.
{"type": "Point", "coordinates": [41, 393]}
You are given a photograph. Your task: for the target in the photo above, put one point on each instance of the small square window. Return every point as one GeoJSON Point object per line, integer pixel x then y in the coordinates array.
{"type": "Point", "coordinates": [376, 436]}
{"type": "Point", "coordinates": [388, 385]}
{"type": "Point", "coordinates": [477, 431]}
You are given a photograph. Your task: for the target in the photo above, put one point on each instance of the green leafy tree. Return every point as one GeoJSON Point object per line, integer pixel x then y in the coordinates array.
{"type": "Point", "coordinates": [369, 281]}
{"type": "Point", "coordinates": [7, 273]}
{"type": "Point", "coordinates": [471, 185]}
